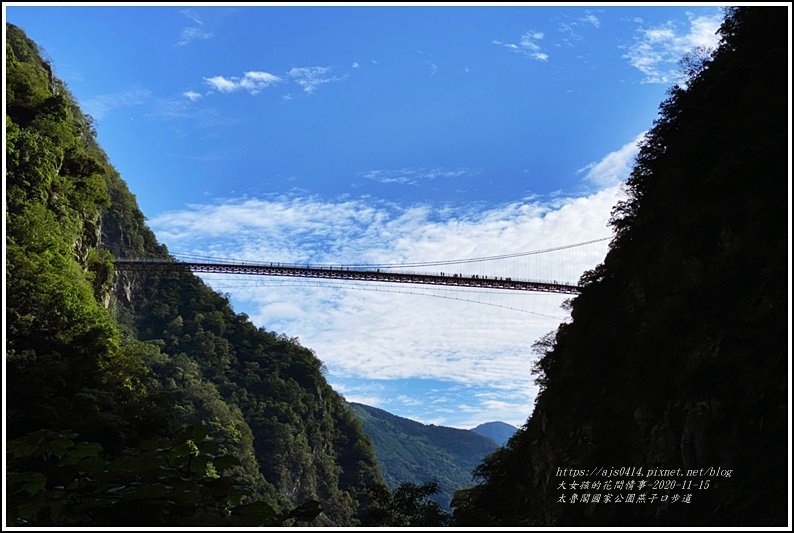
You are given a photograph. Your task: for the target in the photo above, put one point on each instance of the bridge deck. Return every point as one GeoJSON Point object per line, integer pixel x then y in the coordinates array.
{"type": "Point", "coordinates": [344, 273]}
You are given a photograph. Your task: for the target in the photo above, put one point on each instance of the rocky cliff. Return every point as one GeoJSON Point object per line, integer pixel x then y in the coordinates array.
{"type": "Point", "coordinates": [108, 369]}
{"type": "Point", "coordinates": [676, 356]}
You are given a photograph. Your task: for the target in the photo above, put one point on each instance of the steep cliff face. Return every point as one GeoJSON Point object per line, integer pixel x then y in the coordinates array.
{"type": "Point", "coordinates": [306, 442]}
{"type": "Point", "coordinates": [116, 359]}
{"type": "Point", "coordinates": [676, 355]}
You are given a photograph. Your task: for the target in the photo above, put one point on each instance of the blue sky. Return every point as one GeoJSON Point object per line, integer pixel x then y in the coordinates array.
{"type": "Point", "coordinates": [349, 134]}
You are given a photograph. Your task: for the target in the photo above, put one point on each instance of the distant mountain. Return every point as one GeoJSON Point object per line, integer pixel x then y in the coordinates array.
{"type": "Point", "coordinates": [409, 451]}
{"type": "Point", "coordinates": [499, 432]}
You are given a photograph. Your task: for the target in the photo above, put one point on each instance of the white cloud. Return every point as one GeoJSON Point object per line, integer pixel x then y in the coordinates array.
{"type": "Point", "coordinates": [656, 51]}
{"type": "Point", "coordinates": [355, 65]}
{"type": "Point", "coordinates": [255, 81]}
{"type": "Point", "coordinates": [310, 78]}
{"type": "Point", "coordinates": [528, 45]}
{"type": "Point", "coordinates": [191, 34]}
{"type": "Point", "coordinates": [282, 310]}
{"type": "Point", "coordinates": [192, 95]}
{"type": "Point", "coordinates": [181, 111]}
{"type": "Point", "coordinates": [496, 405]}
{"type": "Point", "coordinates": [194, 32]}
{"type": "Point", "coordinates": [572, 29]}
{"type": "Point", "coordinates": [368, 393]}
{"type": "Point", "coordinates": [374, 401]}
{"type": "Point", "coordinates": [505, 411]}
{"type": "Point", "coordinates": [408, 400]}
{"type": "Point", "coordinates": [252, 81]}
{"type": "Point", "coordinates": [415, 175]}
{"type": "Point", "coordinates": [99, 106]}
{"type": "Point", "coordinates": [477, 343]}
{"type": "Point", "coordinates": [614, 167]}
{"type": "Point", "coordinates": [219, 83]}
{"type": "Point", "coordinates": [192, 15]}
{"type": "Point", "coordinates": [591, 19]}
{"type": "Point", "coordinates": [428, 60]}
{"type": "Point", "coordinates": [385, 331]}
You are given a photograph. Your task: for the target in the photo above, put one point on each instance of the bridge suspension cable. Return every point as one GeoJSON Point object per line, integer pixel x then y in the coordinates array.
{"type": "Point", "coordinates": [348, 286]}
{"type": "Point", "coordinates": [494, 277]}
{"type": "Point", "coordinates": [348, 273]}
{"type": "Point", "coordinates": [441, 262]}
{"type": "Point", "coordinates": [478, 259]}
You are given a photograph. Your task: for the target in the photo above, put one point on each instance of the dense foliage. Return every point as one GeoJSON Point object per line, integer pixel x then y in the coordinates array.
{"type": "Point", "coordinates": [410, 452]}
{"type": "Point", "coordinates": [676, 355]}
{"type": "Point", "coordinates": [106, 370]}
{"type": "Point", "coordinates": [159, 483]}
{"type": "Point", "coordinates": [410, 505]}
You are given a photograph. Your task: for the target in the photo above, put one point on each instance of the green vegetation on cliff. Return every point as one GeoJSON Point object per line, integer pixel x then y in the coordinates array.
{"type": "Point", "coordinates": [676, 355]}
{"type": "Point", "coordinates": [142, 394]}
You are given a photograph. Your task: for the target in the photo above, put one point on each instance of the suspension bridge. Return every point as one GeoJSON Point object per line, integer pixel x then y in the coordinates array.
{"type": "Point", "coordinates": [384, 273]}
{"type": "Point", "coordinates": [345, 273]}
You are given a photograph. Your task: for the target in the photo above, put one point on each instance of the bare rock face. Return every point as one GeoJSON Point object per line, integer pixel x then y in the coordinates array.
{"type": "Point", "coordinates": [87, 241]}
{"type": "Point", "coordinates": [123, 287]}
{"type": "Point", "coordinates": [114, 237]}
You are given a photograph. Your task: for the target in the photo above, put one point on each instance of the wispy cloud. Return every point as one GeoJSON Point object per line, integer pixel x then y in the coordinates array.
{"type": "Point", "coordinates": [221, 84]}
{"type": "Point", "coordinates": [614, 167]}
{"type": "Point", "coordinates": [366, 393]}
{"type": "Point", "coordinates": [428, 60]}
{"type": "Point", "coordinates": [185, 117]}
{"type": "Point", "coordinates": [416, 175]}
{"type": "Point", "coordinates": [528, 45]}
{"type": "Point", "coordinates": [99, 106]}
{"type": "Point", "coordinates": [440, 402]}
{"type": "Point", "coordinates": [355, 65]}
{"type": "Point", "coordinates": [192, 95]}
{"type": "Point", "coordinates": [195, 31]}
{"type": "Point", "coordinates": [192, 16]}
{"type": "Point", "coordinates": [656, 51]}
{"type": "Point", "coordinates": [373, 336]}
{"type": "Point", "coordinates": [191, 34]}
{"type": "Point", "coordinates": [390, 332]}
{"type": "Point", "coordinates": [366, 399]}
{"type": "Point", "coordinates": [310, 78]}
{"type": "Point", "coordinates": [572, 28]}
{"type": "Point", "coordinates": [408, 400]}
{"type": "Point", "coordinates": [253, 82]}
{"type": "Point", "coordinates": [590, 19]}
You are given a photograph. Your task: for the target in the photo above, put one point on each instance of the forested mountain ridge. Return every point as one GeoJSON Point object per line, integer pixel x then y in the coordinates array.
{"type": "Point", "coordinates": [412, 452]}
{"type": "Point", "coordinates": [105, 371]}
{"type": "Point", "coordinates": [676, 356]}
{"type": "Point", "coordinates": [499, 432]}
